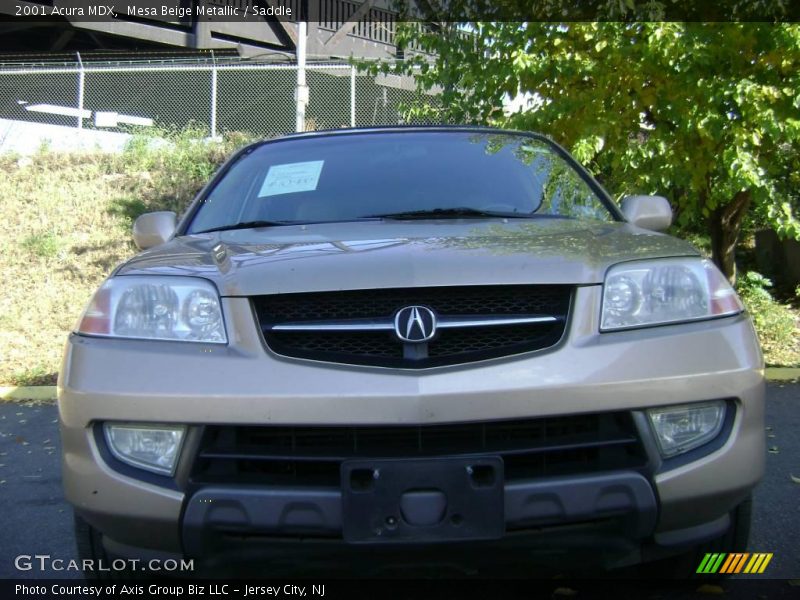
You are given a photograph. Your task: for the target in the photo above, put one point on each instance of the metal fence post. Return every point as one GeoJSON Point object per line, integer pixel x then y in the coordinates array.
{"type": "Point", "coordinates": [352, 96]}
{"type": "Point", "coordinates": [213, 124]}
{"type": "Point", "coordinates": [81, 85]}
{"type": "Point", "coordinates": [301, 95]}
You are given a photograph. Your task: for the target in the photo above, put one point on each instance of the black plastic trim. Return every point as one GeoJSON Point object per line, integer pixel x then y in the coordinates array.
{"type": "Point", "coordinates": [295, 455]}
{"type": "Point", "coordinates": [316, 513]}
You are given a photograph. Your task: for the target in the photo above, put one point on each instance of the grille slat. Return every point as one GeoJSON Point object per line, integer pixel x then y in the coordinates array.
{"type": "Point", "coordinates": [313, 455]}
{"type": "Point", "coordinates": [255, 455]}
{"type": "Point", "coordinates": [383, 348]}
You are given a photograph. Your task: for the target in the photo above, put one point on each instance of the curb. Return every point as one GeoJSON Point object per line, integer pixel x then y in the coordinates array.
{"type": "Point", "coordinates": [36, 393]}
{"type": "Point", "coordinates": [47, 393]}
{"type": "Point", "coordinates": [782, 374]}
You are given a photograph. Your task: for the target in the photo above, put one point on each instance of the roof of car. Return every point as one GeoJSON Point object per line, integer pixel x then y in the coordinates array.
{"type": "Point", "coordinates": [407, 128]}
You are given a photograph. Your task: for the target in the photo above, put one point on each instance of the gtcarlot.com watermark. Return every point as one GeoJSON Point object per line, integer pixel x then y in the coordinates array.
{"type": "Point", "coordinates": [45, 563]}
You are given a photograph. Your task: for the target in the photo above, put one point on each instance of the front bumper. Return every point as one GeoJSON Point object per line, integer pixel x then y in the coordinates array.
{"type": "Point", "coordinates": [215, 513]}
{"type": "Point", "coordinates": [243, 383]}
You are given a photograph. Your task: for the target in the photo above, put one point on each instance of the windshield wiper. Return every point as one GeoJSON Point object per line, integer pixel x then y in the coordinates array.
{"type": "Point", "coordinates": [248, 225]}
{"type": "Point", "coordinates": [462, 211]}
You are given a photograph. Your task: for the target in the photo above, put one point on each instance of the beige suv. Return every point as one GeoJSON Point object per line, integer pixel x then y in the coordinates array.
{"type": "Point", "coordinates": [444, 344]}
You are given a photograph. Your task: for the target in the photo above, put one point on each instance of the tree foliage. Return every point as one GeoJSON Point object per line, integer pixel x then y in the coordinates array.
{"type": "Point", "coordinates": [707, 114]}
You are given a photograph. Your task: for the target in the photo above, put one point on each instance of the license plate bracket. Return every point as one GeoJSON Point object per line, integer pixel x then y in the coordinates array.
{"type": "Point", "coordinates": [422, 500]}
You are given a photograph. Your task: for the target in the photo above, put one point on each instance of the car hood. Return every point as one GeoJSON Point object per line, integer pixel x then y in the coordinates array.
{"type": "Point", "coordinates": [387, 254]}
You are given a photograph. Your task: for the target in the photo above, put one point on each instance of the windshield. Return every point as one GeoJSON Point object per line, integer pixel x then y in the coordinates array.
{"type": "Point", "coordinates": [451, 174]}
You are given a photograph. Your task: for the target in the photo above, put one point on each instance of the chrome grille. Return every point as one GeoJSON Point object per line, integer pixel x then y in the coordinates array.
{"type": "Point", "coordinates": [357, 326]}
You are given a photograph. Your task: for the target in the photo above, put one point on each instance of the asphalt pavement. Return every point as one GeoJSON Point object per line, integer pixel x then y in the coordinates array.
{"type": "Point", "coordinates": [37, 520]}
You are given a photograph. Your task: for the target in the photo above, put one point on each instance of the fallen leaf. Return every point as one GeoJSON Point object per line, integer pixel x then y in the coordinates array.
{"type": "Point", "coordinates": [774, 450]}
{"type": "Point", "coordinates": [710, 589]}
{"type": "Point", "coordinates": [795, 479]}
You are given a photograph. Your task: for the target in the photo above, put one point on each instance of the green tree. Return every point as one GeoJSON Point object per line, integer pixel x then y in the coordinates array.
{"type": "Point", "coordinates": [707, 114]}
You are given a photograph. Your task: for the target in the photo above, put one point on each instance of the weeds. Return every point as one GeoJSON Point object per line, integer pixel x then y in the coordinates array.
{"type": "Point", "coordinates": [43, 245]}
{"type": "Point", "coordinates": [67, 222]}
{"type": "Point", "coordinates": [36, 376]}
{"type": "Point", "coordinates": [775, 323]}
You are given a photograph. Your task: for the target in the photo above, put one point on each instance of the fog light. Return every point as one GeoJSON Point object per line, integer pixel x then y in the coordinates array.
{"type": "Point", "coordinates": [151, 447]}
{"type": "Point", "coordinates": [679, 429]}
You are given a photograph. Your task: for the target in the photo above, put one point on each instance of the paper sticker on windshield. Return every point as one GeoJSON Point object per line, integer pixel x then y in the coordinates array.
{"type": "Point", "coordinates": [291, 178]}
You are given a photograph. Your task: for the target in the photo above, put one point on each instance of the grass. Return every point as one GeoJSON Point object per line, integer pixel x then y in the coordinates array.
{"type": "Point", "coordinates": [44, 245]}
{"type": "Point", "coordinates": [67, 224]}
{"type": "Point", "coordinates": [67, 220]}
{"type": "Point", "coordinates": [777, 323]}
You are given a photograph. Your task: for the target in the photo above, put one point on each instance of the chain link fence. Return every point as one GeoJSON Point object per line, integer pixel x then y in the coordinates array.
{"type": "Point", "coordinates": [230, 95]}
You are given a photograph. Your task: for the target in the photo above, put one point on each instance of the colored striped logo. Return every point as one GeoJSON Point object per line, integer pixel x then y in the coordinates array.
{"type": "Point", "coordinates": [737, 562]}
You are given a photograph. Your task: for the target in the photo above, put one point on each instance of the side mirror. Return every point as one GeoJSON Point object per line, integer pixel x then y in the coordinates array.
{"type": "Point", "coordinates": [648, 212]}
{"type": "Point", "coordinates": [152, 229]}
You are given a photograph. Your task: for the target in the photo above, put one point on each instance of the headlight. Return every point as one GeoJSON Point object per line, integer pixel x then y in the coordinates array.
{"type": "Point", "coordinates": [638, 294]}
{"type": "Point", "coordinates": [679, 429]}
{"type": "Point", "coordinates": [155, 308]}
{"type": "Point", "coordinates": [151, 447]}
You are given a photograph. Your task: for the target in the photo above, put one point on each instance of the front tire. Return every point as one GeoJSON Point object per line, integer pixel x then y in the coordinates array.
{"type": "Point", "coordinates": [89, 543]}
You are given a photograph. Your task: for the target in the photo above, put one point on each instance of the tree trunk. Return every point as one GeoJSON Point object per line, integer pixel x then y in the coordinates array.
{"type": "Point", "coordinates": [724, 224]}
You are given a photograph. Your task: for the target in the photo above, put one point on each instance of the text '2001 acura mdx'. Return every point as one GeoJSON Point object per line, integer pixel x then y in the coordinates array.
{"type": "Point", "coordinates": [403, 341]}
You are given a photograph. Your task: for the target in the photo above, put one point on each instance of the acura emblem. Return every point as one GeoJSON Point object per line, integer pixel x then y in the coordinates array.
{"type": "Point", "coordinates": [415, 324]}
